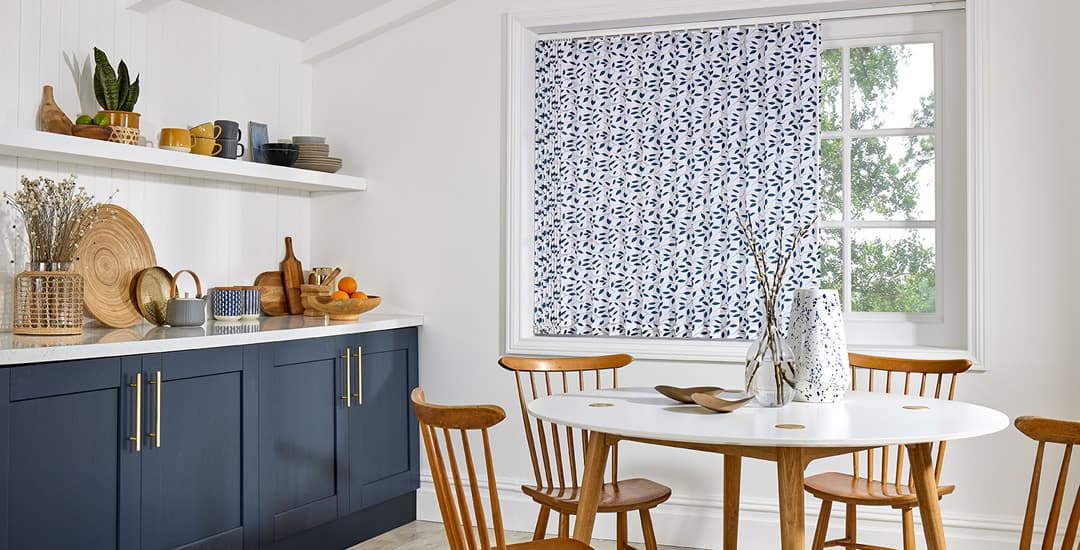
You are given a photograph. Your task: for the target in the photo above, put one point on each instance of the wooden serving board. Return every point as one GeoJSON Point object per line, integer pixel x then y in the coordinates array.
{"type": "Point", "coordinates": [272, 293]}
{"type": "Point", "coordinates": [292, 276]}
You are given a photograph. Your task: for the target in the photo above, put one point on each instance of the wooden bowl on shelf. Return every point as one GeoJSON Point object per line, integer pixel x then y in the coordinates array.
{"type": "Point", "coordinates": [92, 131]}
{"type": "Point", "coordinates": [340, 309]}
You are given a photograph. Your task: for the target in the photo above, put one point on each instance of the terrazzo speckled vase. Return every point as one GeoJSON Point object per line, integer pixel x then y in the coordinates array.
{"type": "Point", "coordinates": [816, 336]}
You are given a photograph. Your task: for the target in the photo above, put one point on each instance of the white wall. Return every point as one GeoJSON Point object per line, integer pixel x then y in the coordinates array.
{"type": "Point", "coordinates": [420, 109]}
{"type": "Point", "coordinates": [196, 66]}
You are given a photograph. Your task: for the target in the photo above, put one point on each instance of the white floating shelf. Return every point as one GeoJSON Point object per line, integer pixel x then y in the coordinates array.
{"type": "Point", "coordinates": [75, 150]}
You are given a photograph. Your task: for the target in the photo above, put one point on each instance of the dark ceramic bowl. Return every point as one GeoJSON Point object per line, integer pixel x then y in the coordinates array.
{"type": "Point", "coordinates": [280, 156]}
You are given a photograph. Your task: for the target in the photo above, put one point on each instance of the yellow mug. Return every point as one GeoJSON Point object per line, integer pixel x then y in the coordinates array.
{"type": "Point", "coordinates": [206, 146]}
{"type": "Point", "coordinates": [207, 130]}
{"type": "Point", "coordinates": [176, 138]}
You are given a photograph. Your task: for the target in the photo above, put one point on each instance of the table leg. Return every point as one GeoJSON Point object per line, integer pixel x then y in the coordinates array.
{"type": "Point", "coordinates": [732, 478]}
{"type": "Point", "coordinates": [922, 472]}
{"type": "Point", "coordinates": [789, 473]}
{"type": "Point", "coordinates": [592, 480]}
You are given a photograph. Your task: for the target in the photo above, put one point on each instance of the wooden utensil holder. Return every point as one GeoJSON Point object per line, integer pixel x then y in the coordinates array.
{"type": "Point", "coordinates": [309, 291]}
{"type": "Point", "coordinates": [48, 303]}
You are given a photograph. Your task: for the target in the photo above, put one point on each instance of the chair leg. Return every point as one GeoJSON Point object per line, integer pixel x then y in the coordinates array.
{"type": "Point", "coordinates": [564, 526]}
{"type": "Point", "coordinates": [909, 529]}
{"type": "Point", "coordinates": [822, 525]}
{"type": "Point", "coordinates": [647, 530]}
{"type": "Point", "coordinates": [849, 524]}
{"type": "Point", "coordinates": [541, 523]}
{"type": "Point", "coordinates": [620, 531]}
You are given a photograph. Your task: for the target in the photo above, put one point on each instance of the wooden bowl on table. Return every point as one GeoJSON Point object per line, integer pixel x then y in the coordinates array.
{"type": "Point", "coordinates": [340, 309]}
{"type": "Point", "coordinates": [92, 131]}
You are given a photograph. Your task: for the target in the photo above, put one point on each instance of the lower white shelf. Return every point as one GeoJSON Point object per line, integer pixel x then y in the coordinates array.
{"type": "Point", "coordinates": [33, 144]}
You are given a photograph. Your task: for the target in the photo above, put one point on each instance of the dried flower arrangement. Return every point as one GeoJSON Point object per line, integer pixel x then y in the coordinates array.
{"type": "Point", "coordinates": [56, 216]}
{"type": "Point", "coordinates": [770, 346]}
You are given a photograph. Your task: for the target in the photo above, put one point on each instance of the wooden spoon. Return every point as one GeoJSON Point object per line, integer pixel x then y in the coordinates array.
{"type": "Point", "coordinates": [683, 395]}
{"type": "Point", "coordinates": [330, 278]}
{"type": "Point", "coordinates": [716, 404]}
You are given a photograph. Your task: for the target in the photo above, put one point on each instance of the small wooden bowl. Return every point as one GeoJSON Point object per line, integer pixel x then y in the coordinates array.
{"type": "Point", "coordinates": [92, 131]}
{"type": "Point", "coordinates": [341, 309]}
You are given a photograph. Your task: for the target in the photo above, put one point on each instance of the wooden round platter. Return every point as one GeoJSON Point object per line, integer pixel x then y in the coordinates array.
{"type": "Point", "coordinates": [112, 253]}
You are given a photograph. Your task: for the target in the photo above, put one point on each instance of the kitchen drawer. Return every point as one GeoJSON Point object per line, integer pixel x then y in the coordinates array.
{"type": "Point", "coordinates": [41, 380]}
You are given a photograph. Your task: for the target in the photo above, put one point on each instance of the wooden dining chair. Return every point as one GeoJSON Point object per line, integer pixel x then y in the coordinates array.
{"type": "Point", "coordinates": [553, 447]}
{"type": "Point", "coordinates": [456, 497]}
{"type": "Point", "coordinates": [1067, 433]}
{"type": "Point", "coordinates": [883, 483]}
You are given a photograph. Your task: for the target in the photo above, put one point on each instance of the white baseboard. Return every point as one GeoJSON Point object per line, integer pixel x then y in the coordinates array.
{"type": "Point", "coordinates": [697, 522]}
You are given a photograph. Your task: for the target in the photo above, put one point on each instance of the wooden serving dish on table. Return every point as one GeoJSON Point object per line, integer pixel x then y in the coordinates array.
{"type": "Point", "coordinates": [340, 309]}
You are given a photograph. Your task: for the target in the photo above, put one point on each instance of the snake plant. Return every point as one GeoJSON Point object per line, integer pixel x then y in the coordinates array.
{"type": "Point", "coordinates": [113, 89]}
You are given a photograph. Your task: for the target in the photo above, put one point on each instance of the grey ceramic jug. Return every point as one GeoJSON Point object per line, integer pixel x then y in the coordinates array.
{"type": "Point", "coordinates": [185, 312]}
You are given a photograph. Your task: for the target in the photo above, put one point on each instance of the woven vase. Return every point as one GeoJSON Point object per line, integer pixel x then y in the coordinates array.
{"type": "Point", "coordinates": [48, 302]}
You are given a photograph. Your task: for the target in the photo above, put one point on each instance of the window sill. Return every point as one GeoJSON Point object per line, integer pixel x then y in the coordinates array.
{"type": "Point", "coordinates": [724, 351]}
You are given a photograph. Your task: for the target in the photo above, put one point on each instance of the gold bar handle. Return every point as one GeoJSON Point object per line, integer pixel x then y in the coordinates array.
{"type": "Point", "coordinates": [359, 377]}
{"type": "Point", "coordinates": [156, 434]}
{"type": "Point", "coordinates": [348, 377]}
{"type": "Point", "coordinates": [138, 412]}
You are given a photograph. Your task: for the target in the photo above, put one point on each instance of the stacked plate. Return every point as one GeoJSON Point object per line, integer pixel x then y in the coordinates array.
{"type": "Point", "coordinates": [315, 155]}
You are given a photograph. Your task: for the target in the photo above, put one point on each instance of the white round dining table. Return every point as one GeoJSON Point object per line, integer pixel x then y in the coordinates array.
{"type": "Point", "coordinates": [792, 436]}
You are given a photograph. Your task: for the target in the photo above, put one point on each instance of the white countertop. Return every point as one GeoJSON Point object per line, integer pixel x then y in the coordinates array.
{"type": "Point", "coordinates": [146, 338]}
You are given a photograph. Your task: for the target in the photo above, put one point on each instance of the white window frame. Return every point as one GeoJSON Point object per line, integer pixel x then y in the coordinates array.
{"type": "Point", "coordinates": [946, 328]}
{"type": "Point", "coordinates": [521, 32]}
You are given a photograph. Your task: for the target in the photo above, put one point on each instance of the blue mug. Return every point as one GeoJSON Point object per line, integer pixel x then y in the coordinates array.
{"type": "Point", "coordinates": [229, 303]}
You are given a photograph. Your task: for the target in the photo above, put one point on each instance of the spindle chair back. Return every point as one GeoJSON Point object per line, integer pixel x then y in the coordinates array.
{"type": "Point", "coordinates": [1058, 432]}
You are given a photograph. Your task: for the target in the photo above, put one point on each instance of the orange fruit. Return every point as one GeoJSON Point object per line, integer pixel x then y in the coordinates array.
{"type": "Point", "coordinates": [339, 295]}
{"type": "Point", "coordinates": [347, 285]}
{"type": "Point", "coordinates": [359, 294]}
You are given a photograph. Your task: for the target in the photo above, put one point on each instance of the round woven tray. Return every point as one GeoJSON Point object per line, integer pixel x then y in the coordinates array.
{"type": "Point", "coordinates": [112, 253]}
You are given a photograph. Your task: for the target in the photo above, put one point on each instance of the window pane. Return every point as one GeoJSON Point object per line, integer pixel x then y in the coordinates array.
{"type": "Point", "coordinates": [830, 250]}
{"type": "Point", "coordinates": [892, 86]}
{"type": "Point", "coordinates": [830, 90]}
{"type": "Point", "coordinates": [892, 178]}
{"type": "Point", "coordinates": [893, 270]}
{"type": "Point", "coordinates": [832, 197]}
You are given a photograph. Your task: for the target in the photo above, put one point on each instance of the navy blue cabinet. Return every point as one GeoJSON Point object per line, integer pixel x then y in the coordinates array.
{"type": "Point", "coordinates": [336, 428]}
{"type": "Point", "coordinates": [68, 471]}
{"type": "Point", "coordinates": [301, 419]}
{"type": "Point", "coordinates": [383, 436]}
{"type": "Point", "coordinates": [287, 444]}
{"type": "Point", "coordinates": [199, 462]}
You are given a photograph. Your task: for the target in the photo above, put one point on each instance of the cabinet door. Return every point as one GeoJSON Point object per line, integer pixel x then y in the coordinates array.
{"type": "Point", "coordinates": [301, 419]}
{"type": "Point", "coordinates": [69, 476]}
{"type": "Point", "coordinates": [383, 437]}
{"type": "Point", "coordinates": [196, 463]}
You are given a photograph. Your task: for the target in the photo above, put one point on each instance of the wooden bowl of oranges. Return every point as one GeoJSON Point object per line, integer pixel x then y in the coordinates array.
{"type": "Point", "coordinates": [344, 304]}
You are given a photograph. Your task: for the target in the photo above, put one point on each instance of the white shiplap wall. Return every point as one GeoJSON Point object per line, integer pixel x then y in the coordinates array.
{"type": "Point", "coordinates": [196, 66]}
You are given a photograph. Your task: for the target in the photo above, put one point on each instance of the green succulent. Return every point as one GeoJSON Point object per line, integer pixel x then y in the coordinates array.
{"type": "Point", "coordinates": [114, 89]}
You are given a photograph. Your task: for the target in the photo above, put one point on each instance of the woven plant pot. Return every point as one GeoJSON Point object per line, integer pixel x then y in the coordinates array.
{"type": "Point", "coordinates": [48, 303]}
{"type": "Point", "coordinates": [120, 134]}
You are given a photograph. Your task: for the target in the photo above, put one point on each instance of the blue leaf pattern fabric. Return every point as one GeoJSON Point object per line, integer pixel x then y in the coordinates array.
{"type": "Point", "coordinates": [646, 148]}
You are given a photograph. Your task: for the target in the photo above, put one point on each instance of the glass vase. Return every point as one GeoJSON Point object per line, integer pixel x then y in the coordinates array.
{"type": "Point", "coordinates": [770, 369]}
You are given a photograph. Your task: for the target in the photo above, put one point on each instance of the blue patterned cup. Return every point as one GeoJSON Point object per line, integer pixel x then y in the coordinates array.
{"type": "Point", "coordinates": [252, 308]}
{"type": "Point", "coordinates": [228, 303]}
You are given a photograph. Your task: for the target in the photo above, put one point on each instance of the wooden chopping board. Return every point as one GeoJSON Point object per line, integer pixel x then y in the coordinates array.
{"type": "Point", "coordinates": [292, 276]}
{"type": "Point", "coordinates": [272, 293]}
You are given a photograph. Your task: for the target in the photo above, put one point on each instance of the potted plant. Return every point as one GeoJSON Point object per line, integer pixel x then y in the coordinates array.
{"type": "Point", "coordinates": [117, 95]}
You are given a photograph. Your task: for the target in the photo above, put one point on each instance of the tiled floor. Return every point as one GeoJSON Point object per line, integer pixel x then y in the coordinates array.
{"type": "Point", "coordinates": [426, 535]}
